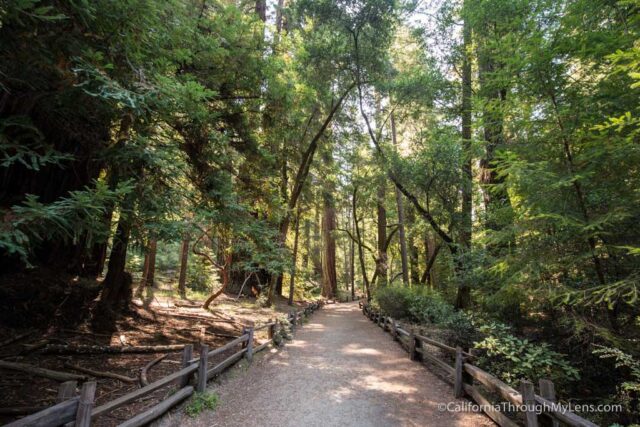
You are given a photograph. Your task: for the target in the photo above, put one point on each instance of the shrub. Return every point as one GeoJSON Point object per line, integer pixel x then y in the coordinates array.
{"type": "Point", "coordinates": [394, 301]}
{"type": "Point", "coordinates": [628, 391]}
{"type": "Point", "coordinates": [200, 276]}
{"type": "Point", "coordinates": [514, 359]}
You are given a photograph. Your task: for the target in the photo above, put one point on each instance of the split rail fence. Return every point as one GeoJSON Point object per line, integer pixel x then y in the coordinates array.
{"type": "Point", "coordinates": [467, 380]}
{"type": "Point", "coordinates": [79, 411]}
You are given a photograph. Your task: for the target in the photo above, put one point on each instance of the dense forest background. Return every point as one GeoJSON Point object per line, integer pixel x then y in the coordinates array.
{"type": "Point", "coordinates": [472, 165]}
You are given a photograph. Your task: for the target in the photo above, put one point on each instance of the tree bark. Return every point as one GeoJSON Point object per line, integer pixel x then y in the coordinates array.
{"type": "Point", "coordinates": [401, 219]}
{"type": "Point", "coordinates": [261, 9]}
{"type": "Point", "coordinates": [184, 258]}
{"type": "Point", "coordinates": [495, 197]}
{"type": "Point", "coordinates": [316, 255]}
{"type": "Point", "coordinates": [363, 268]}
{"type": "Point", "coordinates": [381, 260]}
{"type": "Point", "coordinates": [463, 297]}
{"type": "Point", "coordinates": [281, 5]}
{"type": "Point", "coordinates": [352, 264]}
{"type": "Point", "coordinates": [413, 249]}
{"type": "Point", "coordinates": [116, 286]}
{"type": "Point", "coordinates": [329, 275]}
{"type": "Point", "coordinates": [151, 272]}
{"type": "Point", "coordinates": [292, 280]}
{"type": "Point", "coordinates": [307, 241]}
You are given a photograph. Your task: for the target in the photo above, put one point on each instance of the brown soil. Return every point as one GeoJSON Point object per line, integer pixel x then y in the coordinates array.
{"type": "Point", "coordinates": [340, 370]}
{"type": "Point", "coordinates": [160, 322]}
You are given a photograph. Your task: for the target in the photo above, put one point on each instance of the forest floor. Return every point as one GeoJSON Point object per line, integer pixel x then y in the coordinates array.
{"type": "Point", "coordinates": [340, 370]}
{"type": "Point", "coordinates": [156, 321]}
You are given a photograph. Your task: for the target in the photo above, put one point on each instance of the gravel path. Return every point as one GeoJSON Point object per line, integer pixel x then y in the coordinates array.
{"type": "Point", "coordinates": [341, 370]}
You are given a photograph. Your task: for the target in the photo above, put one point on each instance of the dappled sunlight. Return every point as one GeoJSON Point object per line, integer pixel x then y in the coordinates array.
{"type": "Point", "coordinates": [352, 349]}
{"type": "Point", "coordinates": [339, 370]}
{"type": "Point", "coordinates": [298, 344]}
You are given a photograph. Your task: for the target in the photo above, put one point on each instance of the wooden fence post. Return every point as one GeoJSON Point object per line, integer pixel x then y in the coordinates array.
{"type": "Point", "coordinates": [394, 329]}
{"type": "Point", "coordinates": [202, 369]}
{"type": "Point", "coordinates": [83, 415]}
{"type": "Point", "coordinates": [414, 344]}
{"type": "Point", "coordinates": [529, 403]}
{"type": "Point", "coordinates": [458, 388]}
{"type": "Point", "coordinates": [272, 329]}
{"type": "Point", "coordinates": [294, 319]}
{"type": "Point", "coordinates": [66, 391]}
{"type": "Point", "coordinates": [187, 355]}
{"type": "Point", "coordinates": [249, 353]}
{"type": "Point", "coordinates": [548, 391]}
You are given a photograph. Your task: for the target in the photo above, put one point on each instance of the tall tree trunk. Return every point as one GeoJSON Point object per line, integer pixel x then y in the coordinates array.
{"type": "Point", "coordinates": [381, 261]}
{"type": "Point", "coordinates": [414, 260]}
{"type": "Point", "coordinates": [261, 9]}
{"type": "Point", "coordinates": [316, 256]}
{"type": "Point", "coordinates": [281, 5]}
{"type": "Point", "coordinates": [184, 258]}
{"type": "Point", "coordinates": [431, 253]}
{"type": "Point", "coordinates": [151, 272]}
{"type": "Point", "coordinates": [94, 265]}
{"type": "Point", "coordinates": [116, 286]}
{"type": "Point", "coordinates": [329, 279]}
{"type": "Point", "coordinates": [307, 244]}
{"type": "Point", "coordinates": [295, 257]}
{"type": "Point", "coordinates": [494, 195]}
{"type": "Point", "coordinates": [401, 220]}
{"type": "Point", "coordinates": [463, 298]}
{"type": "Point", "coordinates": [352, 264]}
{"type": "Point", "coordinates": [363, 267]}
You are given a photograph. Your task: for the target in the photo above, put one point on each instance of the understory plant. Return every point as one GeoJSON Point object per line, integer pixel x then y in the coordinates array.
{"type": "Point", "coordinates": [514, 359]}
{"type": "Point", "coordinates": [200, 402]}
{"type": "Point", "coordinates": [629, 390]}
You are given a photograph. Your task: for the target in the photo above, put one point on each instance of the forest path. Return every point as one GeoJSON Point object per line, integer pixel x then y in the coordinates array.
{"type": "Point", "coordinates": [340, 370]}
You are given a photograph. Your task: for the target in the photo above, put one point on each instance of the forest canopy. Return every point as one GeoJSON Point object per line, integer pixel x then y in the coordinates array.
{"type": "Point", "coordinates": [471, 163]}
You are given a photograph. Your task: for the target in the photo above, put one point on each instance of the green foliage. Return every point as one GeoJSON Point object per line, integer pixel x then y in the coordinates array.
{"type": "Point", "coordinates": [200, 275]}
{"type": "Point", "coordinates": [426, 307]}
{"type": "Point", "coordinates": [629, 390]}
{"type": "Point", "coordinates": [514, 359]}
{"type": "Point", "coordinates": [394, 300]}
{"type": "Point", "coordinates": [68, 219]}
{"type": "Point", "coordinates": [207, 401]}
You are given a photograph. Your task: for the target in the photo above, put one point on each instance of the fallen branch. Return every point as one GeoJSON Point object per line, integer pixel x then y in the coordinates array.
{"type": "Point", "coordinates": [99, 349]}
{"type": "Point", "coordinates": [15, 338]}
{"type": "Point", "coordinates": [145, 370]}
{"type": "Point", "coordinates": [41, 372]}
{"type": "Point", "coordinates": [100, 374]}
{"type": "Point", "coordinates": [34, 346]}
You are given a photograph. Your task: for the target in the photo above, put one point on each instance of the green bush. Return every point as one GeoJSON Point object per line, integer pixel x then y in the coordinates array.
{"type": "Point", "coordinates": [394, 301]}
{"type": "Point", "coordinates": [200, 276]}
{"type": "Point", "coordinates": [628, 392]}
{"type": "Point", "coordinates": [514, 359]}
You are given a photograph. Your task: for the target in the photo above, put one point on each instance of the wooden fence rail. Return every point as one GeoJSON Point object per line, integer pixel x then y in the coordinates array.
{"type": "Point", "coordinates": [79, 411]}
{"type": "Point", "coordinates": [467, 379]}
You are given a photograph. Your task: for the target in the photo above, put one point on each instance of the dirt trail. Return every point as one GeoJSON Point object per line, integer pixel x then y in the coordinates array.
{"type": "Point", "coordinates": [340, 370]}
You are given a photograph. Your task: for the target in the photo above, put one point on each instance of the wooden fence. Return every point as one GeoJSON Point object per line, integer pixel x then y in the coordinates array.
{"type": "Point", "coordinates": [80, 411]}
{"type": "Point", "coordinates": [468, 379]}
